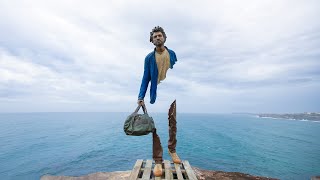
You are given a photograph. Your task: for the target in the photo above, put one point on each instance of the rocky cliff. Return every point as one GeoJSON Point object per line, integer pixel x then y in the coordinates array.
{"type": "Point", "coordinates": [123, 175]}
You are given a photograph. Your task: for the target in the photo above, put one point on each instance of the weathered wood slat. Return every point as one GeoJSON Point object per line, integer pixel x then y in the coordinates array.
{"type": "Point", "coordinates": [135, 171]}
{"type": "Point", "coordinates": [189, 170]}
{"type": "Point", "coordinates": [147, 170]}
{"type": "Point", "coordinates": [178, 170]}
{"type": "Point", "coordinates": [167, 170]}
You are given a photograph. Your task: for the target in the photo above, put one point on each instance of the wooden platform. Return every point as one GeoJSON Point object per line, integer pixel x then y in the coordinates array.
{"type": "Point", "coordinates": [143, 170]}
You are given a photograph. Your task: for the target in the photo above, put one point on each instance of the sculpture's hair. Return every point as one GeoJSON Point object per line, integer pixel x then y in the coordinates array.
{"type": "Point", "coordinates": [158, 29]}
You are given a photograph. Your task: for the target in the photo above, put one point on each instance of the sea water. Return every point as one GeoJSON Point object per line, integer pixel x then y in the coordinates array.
{"type": "Point", "coordinates": [75, 144]}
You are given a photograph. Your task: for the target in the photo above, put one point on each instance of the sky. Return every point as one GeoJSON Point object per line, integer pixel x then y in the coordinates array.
{"type": "Point", "coordinates": [88, 56]}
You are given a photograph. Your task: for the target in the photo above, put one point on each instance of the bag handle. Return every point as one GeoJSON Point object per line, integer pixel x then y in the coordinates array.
{"type": "Point", "coordinates": [144, 108]}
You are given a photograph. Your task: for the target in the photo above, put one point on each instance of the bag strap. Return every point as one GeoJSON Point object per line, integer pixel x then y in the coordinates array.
{"type": "Point", "coordinates": [144, 108]}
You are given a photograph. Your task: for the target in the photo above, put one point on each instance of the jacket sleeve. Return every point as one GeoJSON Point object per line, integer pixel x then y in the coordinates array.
{"type": "Point", "coordinates": [173, 58]}
{"type": "Point", "coordinates": [145, 79]}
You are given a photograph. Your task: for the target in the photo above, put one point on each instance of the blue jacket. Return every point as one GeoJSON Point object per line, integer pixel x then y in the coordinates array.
{"type": "Point", "coordinates": [151, 74]}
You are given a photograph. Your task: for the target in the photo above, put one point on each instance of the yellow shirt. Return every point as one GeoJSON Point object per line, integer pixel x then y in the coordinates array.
{"type": "Point", "coordinates": [163, 64]}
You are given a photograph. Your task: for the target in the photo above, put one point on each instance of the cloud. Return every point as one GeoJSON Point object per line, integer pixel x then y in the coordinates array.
{"type": "Point", "coordinates": [88, 56]}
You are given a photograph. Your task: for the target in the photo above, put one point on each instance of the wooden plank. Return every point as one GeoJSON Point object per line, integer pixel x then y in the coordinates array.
{"type": "Point", "coordinates": [135, 171]}
{"type": "Point", "coordinates": [167, 170]}
{"type": "Point", "coordinates": [189, 170]}
{"type": "Point", "coordinates": [178, 170]}
{"type": "Point", "coordinates": [147, 170]}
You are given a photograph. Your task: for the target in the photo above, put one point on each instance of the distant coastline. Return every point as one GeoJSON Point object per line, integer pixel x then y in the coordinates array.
{"type": "Point", "coordinates": [310, 116]}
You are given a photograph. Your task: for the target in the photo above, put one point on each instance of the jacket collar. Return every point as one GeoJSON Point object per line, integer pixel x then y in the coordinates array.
{"type": "Point", "coordinates": [154, 50]}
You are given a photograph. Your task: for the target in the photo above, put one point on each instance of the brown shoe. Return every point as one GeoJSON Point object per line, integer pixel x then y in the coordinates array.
{"type": "Point", "coordinates": [175, 157]}
{"type": "Point", "coordinates": [157, 171]}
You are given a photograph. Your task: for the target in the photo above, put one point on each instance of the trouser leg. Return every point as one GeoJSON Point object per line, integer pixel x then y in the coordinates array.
{"type": "Point", "coordinates": [157, 148]}
{"type": "Point", "coordinates": [172, 128]}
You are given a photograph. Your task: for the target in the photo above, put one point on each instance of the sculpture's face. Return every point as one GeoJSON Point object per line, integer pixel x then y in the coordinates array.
{"type": "Point", "coordinates": [157, 39]}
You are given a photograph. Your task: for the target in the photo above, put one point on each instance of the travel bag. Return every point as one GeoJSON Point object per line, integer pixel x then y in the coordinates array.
{"type": "Point", "coordinates": [139, 124]}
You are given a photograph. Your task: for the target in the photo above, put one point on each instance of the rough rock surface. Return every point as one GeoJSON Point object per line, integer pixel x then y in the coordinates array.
{"type": "Point", "coordinates": [220, 175]}
{"type": "Point", "coordinates": [123, 175]}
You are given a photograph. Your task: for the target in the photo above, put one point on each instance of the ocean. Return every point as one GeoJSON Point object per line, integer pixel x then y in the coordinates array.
{"type": "Point", "coordinates": [74, 144]}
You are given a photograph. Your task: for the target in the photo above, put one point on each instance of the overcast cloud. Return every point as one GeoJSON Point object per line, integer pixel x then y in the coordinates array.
{"type": "Point", "coordinates": [233, 56]}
